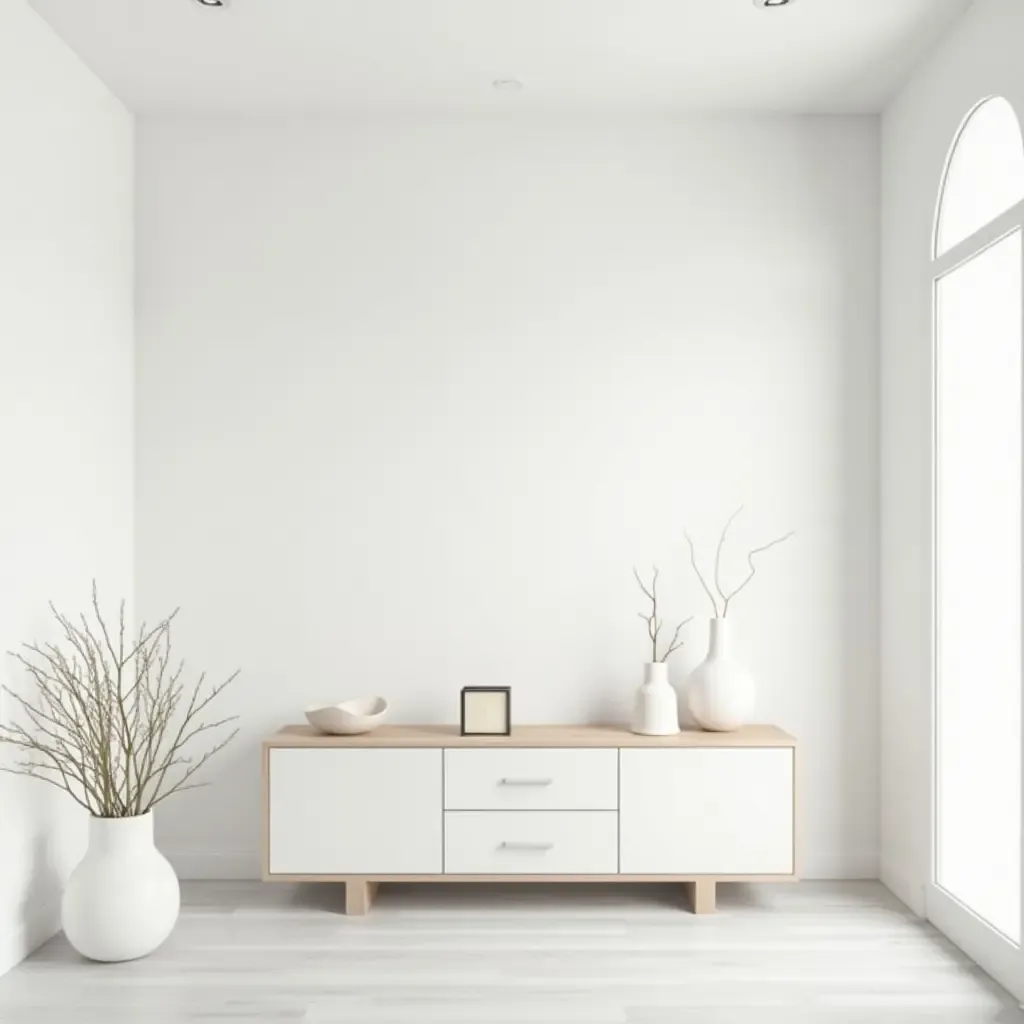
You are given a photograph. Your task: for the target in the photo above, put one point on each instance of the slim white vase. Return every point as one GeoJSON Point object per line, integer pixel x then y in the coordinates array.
{"type": "Point", "coordinates": [656, 711]}
{"type": "Point", "coordinates": [720, 692]}
{"type": "Point", "coordinates": [122, 900]}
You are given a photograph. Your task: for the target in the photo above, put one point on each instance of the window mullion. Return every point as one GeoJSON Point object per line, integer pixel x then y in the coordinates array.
{"type": "Point", "coordinates": [1005, 224]}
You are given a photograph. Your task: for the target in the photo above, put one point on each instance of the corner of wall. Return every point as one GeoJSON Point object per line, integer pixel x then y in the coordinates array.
{"type": "Point", "coordinates": [70, 325]}
{"type": "Point", "coordinates": [41, 923]}
{"type": "Point", "coordinates": [903, 888]}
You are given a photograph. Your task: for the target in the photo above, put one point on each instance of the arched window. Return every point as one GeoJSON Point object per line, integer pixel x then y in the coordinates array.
{"type": "Point", "coordinates": [984, 173]}
{"type": "Point", "coordinates": [977, 265]}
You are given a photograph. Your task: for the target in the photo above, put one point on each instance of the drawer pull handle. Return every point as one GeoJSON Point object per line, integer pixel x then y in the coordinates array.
{"type": "Point", "coordinates": [527, 847]}
{"type": "Point", "coordinates": [526, 782]}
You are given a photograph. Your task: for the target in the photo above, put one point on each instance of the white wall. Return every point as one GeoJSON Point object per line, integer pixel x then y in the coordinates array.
{"type": "Point", "coordinates": [982, 57]}
{"type": "Point", "coordinates": [65, 404]}
{"type": "Point", "coordinates": [414, 396]}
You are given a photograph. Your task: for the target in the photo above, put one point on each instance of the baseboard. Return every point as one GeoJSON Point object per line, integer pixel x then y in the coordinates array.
{"type": "Point", "coordinates": [828, 865]}
{"type": "Point", "coordinates": [244, 864]}
{"type": "Point", "coordinates": [214, 865]}
{"type": "Point", "coordinates": [18, 942]}
{"type": "Point", "coordinates": [903, 887]}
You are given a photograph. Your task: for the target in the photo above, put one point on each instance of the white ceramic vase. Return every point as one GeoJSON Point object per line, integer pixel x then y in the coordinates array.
{"type": "Point", "coordinates": [656, 710]}
{"type": "Point", "coordinates": [720, 692]}
{"type": "Point", "coordinates": [122, 900]}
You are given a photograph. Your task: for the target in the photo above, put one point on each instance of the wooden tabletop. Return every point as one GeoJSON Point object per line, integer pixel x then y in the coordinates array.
{"type": "Point", "coordinates": [530, 736]}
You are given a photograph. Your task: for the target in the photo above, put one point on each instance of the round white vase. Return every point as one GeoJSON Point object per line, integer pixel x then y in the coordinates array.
{"type": "Point", "coordinates": [720, 692]}
{"type": "Point", "coordinates": [656, 710]}
{"type": "Point", "coordinates": [122, 900]}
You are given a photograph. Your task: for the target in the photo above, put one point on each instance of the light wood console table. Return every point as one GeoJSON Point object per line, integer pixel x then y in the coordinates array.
{"type": "Point", "coordinates": [420, 803]}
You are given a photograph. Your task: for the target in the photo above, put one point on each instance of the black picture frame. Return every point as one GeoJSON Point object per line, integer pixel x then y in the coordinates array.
{"type": "Point", "coordinates": [506, 690]}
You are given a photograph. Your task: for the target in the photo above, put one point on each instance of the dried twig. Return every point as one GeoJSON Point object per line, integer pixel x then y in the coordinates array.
{"type": "Point", "coordinates": [654, 624]}
{"type": "Point", "coordinates": [111, 723]}
{"type": "Point", "coordinates": [727, 598]}
{"type": "Point", "coordinates": [675, 643]}
{"type": "Point", "coordinates": [750, 563]}
{"type": "Point", "coordinates": [700, 576]}
{"type": "Point", "coordinates": [718, 553]}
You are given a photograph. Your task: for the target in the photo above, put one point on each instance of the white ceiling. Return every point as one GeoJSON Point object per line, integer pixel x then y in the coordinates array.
{"type": "Point", "coordinates": [322, 55]}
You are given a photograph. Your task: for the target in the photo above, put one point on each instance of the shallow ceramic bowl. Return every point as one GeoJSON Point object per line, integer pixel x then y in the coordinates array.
{"type": "Point", "coordinates": [351, 717]}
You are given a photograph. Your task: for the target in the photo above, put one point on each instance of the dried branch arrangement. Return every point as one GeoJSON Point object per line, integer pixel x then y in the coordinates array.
{"type": "Point", "coordinates": [113, 723]}
{"type": "Point", "coordinates": [721, 603]}
{"type": "Point", "coordinates": [654, 624]}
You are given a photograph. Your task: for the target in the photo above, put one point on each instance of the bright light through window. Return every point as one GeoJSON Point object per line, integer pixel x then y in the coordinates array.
{"type": "Point", "coordinates": [979, 307]}
{"type": "Point", "coordinates": [985, 176]}
{"type": "Point", "coordinates": [978, 562]}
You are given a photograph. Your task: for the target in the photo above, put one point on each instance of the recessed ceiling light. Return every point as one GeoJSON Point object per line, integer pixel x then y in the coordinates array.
{"type": "Point", "coordinates": [507, 84]}
{"type": "Point", "coordinates": [772, 3]}
{"type": "Point", "coordinates": [212, 3]}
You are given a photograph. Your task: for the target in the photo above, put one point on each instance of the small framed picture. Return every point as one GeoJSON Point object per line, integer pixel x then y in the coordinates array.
{"type": "Point", "coordinates": [486, 711]}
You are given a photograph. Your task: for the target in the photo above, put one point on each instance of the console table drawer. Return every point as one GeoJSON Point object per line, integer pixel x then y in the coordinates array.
{"type": "Point", "coordinates": [531, 779]}
{"type": "Point", "coordinates": [531, 843]}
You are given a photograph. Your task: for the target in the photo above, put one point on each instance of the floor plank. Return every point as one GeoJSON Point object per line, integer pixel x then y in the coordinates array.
{"type": "Point", "coordinates": [813, 953]}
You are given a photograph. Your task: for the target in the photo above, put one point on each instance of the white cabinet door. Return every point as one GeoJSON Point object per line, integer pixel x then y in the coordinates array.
{"type": "Point", "coordinates": [716, 811]}
{"type": "Point", "coordinates": [355, 812]}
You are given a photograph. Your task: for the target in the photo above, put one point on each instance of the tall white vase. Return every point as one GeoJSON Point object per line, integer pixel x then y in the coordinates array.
{"type": "Point", "coordinates": [656, 710]}
{"type": "Point", "coordinates": [720, 692]}
{"type": "Point", "coordinates": [122, 900]}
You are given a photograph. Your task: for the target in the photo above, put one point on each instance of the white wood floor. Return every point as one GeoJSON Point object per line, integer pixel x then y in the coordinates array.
{"type": "Point", "coordinates": [835, 953]}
